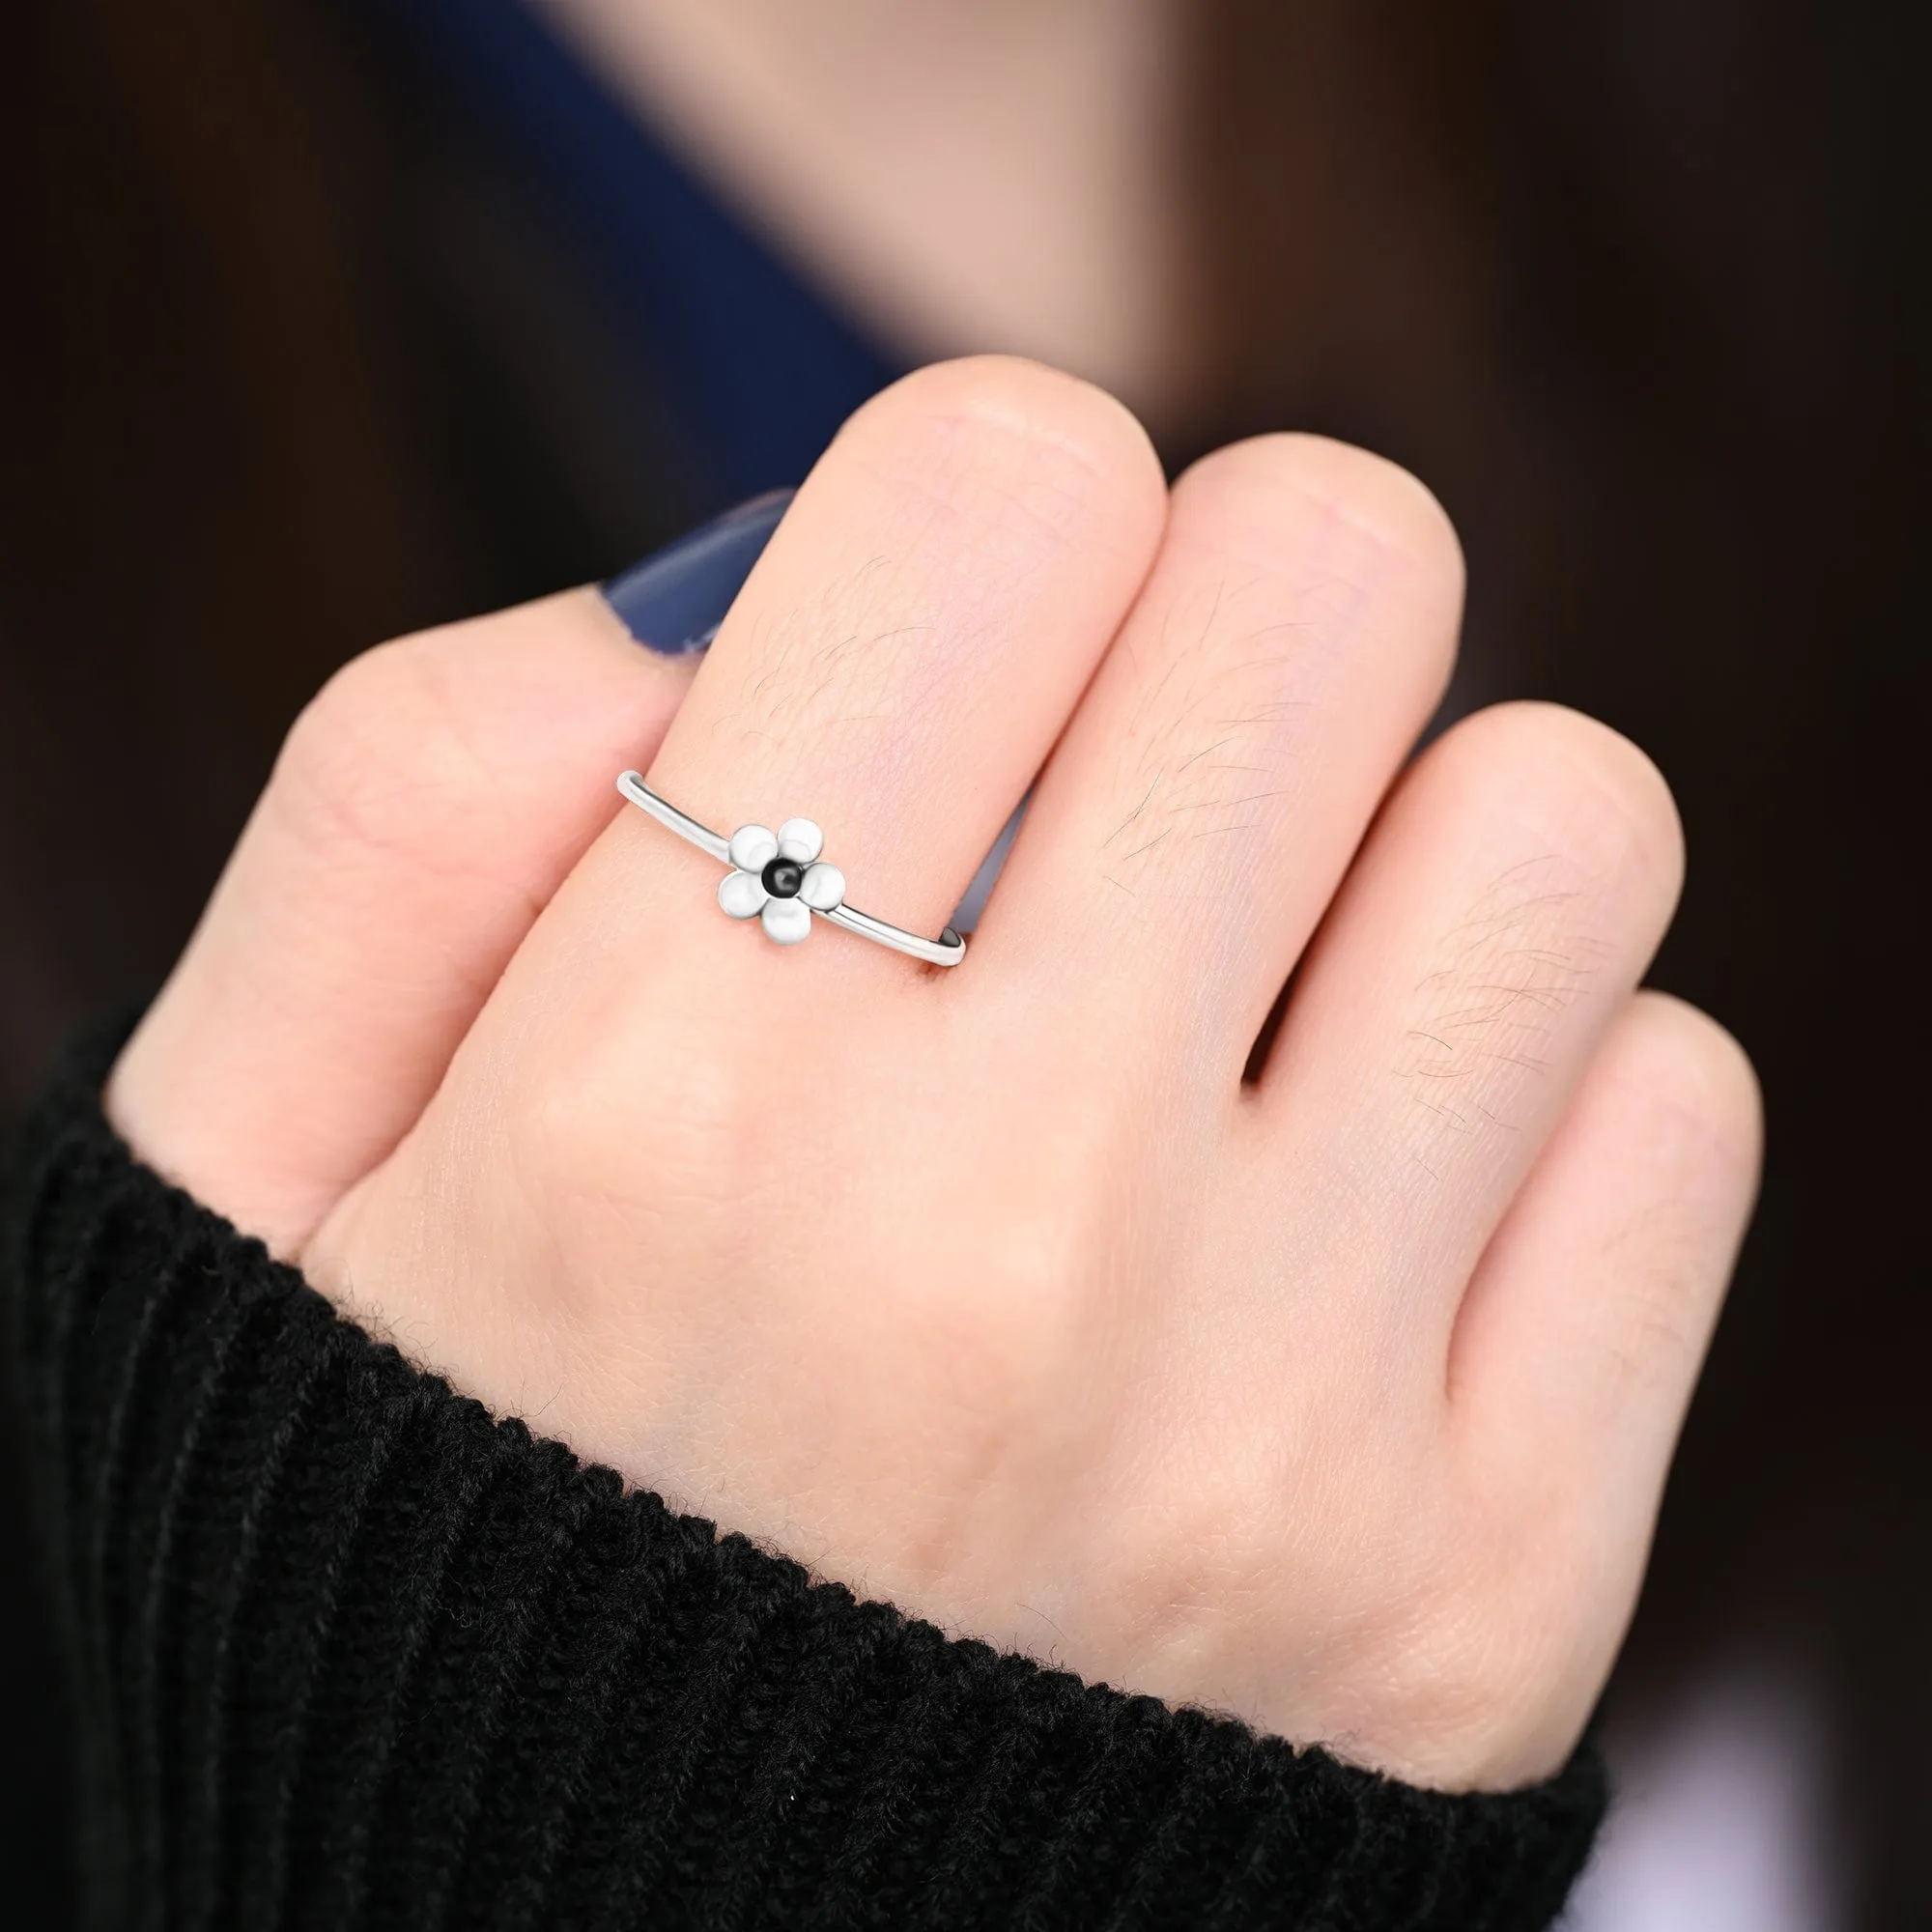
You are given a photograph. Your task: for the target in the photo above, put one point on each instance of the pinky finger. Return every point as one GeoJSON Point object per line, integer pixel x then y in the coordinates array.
{"type": "Point", "coordinates": [1581, 1334]}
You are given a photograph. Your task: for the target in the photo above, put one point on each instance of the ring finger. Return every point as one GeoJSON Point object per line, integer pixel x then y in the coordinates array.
{"type": "Point", "coordinates": [907, 651]}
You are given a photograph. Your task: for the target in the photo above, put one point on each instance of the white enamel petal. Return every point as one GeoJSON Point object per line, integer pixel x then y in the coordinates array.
{"type": "Point", "coordinates": [787, 921]}
{"type": "Point", "coordinates": [742, 894]}
{"type": "Point", "coordinates": [824, 886]}
{"type": "Point", "coordinates": [800, 839]}
{"type": "Point", "coordinates": [753, 848]}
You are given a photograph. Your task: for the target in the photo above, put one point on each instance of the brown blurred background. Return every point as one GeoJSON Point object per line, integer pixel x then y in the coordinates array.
{"type": "Point", "coordinates": [307, 344]}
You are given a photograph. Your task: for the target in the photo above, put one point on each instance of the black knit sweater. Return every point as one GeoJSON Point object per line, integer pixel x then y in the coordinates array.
{"type": "Point", "coordinates": [344, 1650]}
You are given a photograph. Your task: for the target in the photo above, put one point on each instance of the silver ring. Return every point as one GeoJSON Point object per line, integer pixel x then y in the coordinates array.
{"type": "Point", "coordinates": [778, 879]}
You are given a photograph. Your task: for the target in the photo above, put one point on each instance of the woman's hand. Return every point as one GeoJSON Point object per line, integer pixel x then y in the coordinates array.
{"type": "Point", "coordinates": [1339, 1398]}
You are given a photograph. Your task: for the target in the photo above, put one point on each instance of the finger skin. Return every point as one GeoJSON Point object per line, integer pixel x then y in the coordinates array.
{"type": "Point", "coordinates": [1288, 650]}
{"type": "Point", "coordinates": [1500, 913]}
{"type": "Point", "coordinates": [1580, 1338]}
{"type": "Point", "coordinates": [891, 1274]}
{"type": "Point", "coordinates": [920, 628]}
{"type": "Point", "coordinates": [423, 810]}
{"type": "Point", "coordinates": [977, 532]}
{"type": "Point", "coordinates": [1582, 1332]}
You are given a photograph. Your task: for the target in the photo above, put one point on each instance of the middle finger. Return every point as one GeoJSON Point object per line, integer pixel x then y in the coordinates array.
{"type": "Point", "coordinates": [1287, 651]}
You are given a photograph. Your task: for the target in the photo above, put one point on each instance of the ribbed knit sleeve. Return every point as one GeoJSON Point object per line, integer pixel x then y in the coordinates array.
{"type": "Point", "coordinates": [346, 1650]}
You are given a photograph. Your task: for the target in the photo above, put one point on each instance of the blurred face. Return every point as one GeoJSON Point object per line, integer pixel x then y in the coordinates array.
{"type": "Point", "coordinates": [965, 176]}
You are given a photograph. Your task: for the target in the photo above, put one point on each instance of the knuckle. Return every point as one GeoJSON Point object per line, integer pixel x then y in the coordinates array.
{"type": "Point", "coordinates": [1349, 497]}
{"type": "Point", "coordinates": [1578, 787]}
{"type": "Point", "coordinates": [1699, 1068]}
{"type": "Point", "coordinates": [378, 757]}
{"type": "Point", "coordinates": [987, 430]}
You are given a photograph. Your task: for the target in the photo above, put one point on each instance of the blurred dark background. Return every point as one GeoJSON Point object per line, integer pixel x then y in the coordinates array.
{"type": "Point", "coordinates": [321, 325]}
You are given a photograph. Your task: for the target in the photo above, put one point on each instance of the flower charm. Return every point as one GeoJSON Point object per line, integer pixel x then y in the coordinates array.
{"type": "Point", "coordinates": [780, 879]}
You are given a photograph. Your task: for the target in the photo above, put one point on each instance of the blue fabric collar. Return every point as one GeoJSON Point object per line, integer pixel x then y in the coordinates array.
{"type": "Point", "coordinates": [759, 367]}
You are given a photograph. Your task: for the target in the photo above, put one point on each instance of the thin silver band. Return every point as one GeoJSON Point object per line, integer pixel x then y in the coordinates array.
{"type": "Point", "coordinates": [947, 949]}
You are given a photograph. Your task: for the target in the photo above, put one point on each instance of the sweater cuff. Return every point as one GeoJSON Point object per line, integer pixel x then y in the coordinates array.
{"type": "Point", "coordinates": [345, 1648]}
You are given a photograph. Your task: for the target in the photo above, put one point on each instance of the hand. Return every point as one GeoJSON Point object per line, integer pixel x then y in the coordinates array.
{"type": "Point", "coordinates": [1339, 1398]}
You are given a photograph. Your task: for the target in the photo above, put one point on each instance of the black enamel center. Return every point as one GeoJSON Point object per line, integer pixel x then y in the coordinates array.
{"type": "Point", "coordinates": [783, 877]}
